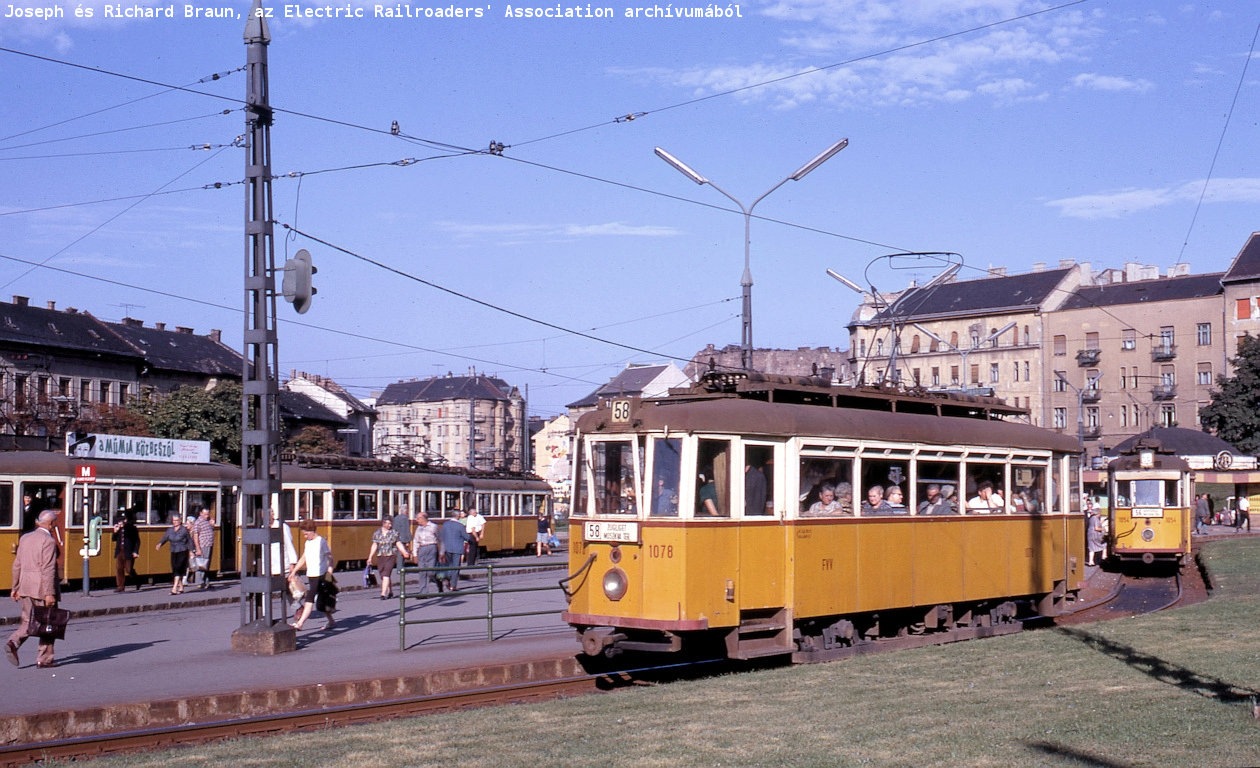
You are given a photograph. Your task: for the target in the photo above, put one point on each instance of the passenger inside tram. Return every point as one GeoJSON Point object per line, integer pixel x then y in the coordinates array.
{"type": "Point", "coordinates": [875, 503]}
{"type": "Point", "coordinates": [895, 501]}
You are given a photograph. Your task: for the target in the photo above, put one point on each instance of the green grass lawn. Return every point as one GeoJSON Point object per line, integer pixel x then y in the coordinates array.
{"type": "Point", "coordinates": [1171, 689]}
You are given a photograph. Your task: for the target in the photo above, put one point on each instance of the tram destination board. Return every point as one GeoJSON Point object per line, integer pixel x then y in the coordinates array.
{"type": "Point", "coordinates": [611, 531]}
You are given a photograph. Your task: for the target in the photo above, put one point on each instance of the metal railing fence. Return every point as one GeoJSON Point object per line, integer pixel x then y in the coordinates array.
{"type": "Point", "coordinates": [489, 589]}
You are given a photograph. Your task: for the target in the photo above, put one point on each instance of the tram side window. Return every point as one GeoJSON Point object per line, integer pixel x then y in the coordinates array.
{"type": "Point", "coordinates": [758, 479]}
{"type": "Point", "coordinates": [36, 497]}
{"type": "Point", "coordinates": [826, 487]}
{"type": "Point", "coordinates": [1028, 490]}
{"type": "Point", "coordinates": [985, 483]}
{"type": "Point", "coordinates": [367, 505]}
{"type": "Point", "coordinates": [197, 501]}
{"type": "Point", "coordinates": [666, 472]}
{"type": "Point", "coordinates": [162, 504]}
{"type": "Point", "coordinates": [343, 505]}
{"type": "Point", "coordinates": [6, 505]}
{"type": "Point", "coordinates": [713, 482]}
{"type": "Point", "coordinates": [937, 488]}
{"type": "Point", "coordinates": [883, 487]}
{"type": "Point", "coordinates": [613, 478]}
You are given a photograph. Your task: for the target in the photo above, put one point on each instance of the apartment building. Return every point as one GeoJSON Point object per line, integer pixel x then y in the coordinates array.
{"type": "Point", "coordinates": [474, 421]}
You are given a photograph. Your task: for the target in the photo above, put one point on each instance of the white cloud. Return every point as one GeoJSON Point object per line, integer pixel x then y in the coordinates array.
{"type": "Point", "coordinates": [532, 233]}
{"type": "Point", "coordinates": [1095, 82]}
{"type": "Point", "coordinates": [886, 52]}
{"type": "Point", "coordinates": [1125, 202]}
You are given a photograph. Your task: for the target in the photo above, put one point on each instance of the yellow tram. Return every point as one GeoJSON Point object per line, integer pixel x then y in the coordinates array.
{"type": "Point", "coordinates": [348, 498]}
{"type": "Point", "coordinates": [1151, 514]}
{"type": "Point", "coordinates": [151, 492]}
{"type": "Point", "coordinates": [742, 514]}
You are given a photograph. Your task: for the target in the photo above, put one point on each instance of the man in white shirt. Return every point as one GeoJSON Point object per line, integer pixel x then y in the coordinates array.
{"type": "Point", "coordinates": [476, 526]}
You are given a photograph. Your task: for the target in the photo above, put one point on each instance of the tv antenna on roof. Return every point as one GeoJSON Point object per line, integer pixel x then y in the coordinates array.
{"type": "Point", "coordinates": [128, 307]}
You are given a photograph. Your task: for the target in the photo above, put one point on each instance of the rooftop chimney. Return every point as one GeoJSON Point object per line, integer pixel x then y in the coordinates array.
{"type": "Point", "coordinates": [21, 301]}
{"type": "Point", "coordinates": [52, 305]}
{"type": "Point", "coordinates": [182, 329]}
{"type": "Point", "coordinates": [160, 326]}
{"type": "Point", "coordinates": [132, 322]}
{"type": "Point", "coordinates": [216, 335]}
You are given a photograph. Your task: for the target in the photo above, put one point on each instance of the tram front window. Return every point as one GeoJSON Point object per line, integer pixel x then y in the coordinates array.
{"type": "Point", "coordinates": [613, 477]}
{"type": "Point", "coordinates": [1153, 493]}
{"type": "Point", "coordinates": [666, 471]}
{"type": "Point", "coordinates": [713, 481]}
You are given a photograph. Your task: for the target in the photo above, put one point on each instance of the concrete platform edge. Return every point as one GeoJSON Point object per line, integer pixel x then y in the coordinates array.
{"type": "Point", "coordinates": [54, 726]}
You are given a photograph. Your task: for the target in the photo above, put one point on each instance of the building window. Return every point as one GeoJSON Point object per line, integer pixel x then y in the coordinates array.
{"type": "Point", "coordinates": [1203, 334]}
{"type": "Point", "coordinates": [1205, 374]}
{"type": "Point", "coordinates": [1027, 371]}
{"type": "Point", "coordinates": [1124, 415]}
{"type": "Point", "coordinates": [914, 344]}
{"type": "Point", "coordinates": [994, 338]}
{"type": "Point", "coordinates": [1027, 337]}
{"type": "Point", "coordinates": [1060, 346]}
{"type": "Point", "coordinates": [124, 392]}
{"type": "Point", "coordinates": [1168, 415]}
{"type": "Point", "coordinates": [1124, 377]}
{"type": "Point", "coordinates": [1167, 337]}
{"type": "Point", "coordinates": [1091, 340]}
{"type": "Point", "coordinates": [1060, 418]}
{"type": "Point", "coordinates": [879, 347]}
{"type": "Point", "coordinates": [1242, 309]}
{"type": "Point", "coordinates": [994, 377]}
{"type": "Point", "coordinates": [862, 347]}
{"type": "Point", "coordinates": [1168, 375]}
{"type": "Point", "coordinates": [953, 339]}
{"type": "Point", "coordinates": [915, 374]}
{"type": "Point", "coordinates": [975, 375]}
{"type": "Point", "coordinates": [953, 375]}
{"type": "Point", "coordinates": [1060, 381]}
{"type": "Point", "coordinates": [1014, 371]}
{"type": "Point", "coordinates": [1128, 339]}
{"type": "Point", "coordinates": [936, 377]}
{"type": "Point", "coordinates": [1091, 417]}
{"type": "Point", "coordinates": [975, 339]}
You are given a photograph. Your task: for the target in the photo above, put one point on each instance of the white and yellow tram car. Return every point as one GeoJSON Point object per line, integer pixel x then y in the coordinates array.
{"type": "Point", "coordinates": [150, 492]}
{"type": "Point", "coordinates": [1151, 514]}
{"type": "Point", "coordinates": [735, 515]}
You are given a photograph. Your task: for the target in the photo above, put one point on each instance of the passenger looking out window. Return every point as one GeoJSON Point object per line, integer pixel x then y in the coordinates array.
{"type": "Point", "coordinates": [987, 501]}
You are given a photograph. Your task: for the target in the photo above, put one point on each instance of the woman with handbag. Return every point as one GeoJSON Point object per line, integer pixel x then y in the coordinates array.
{"type": "Point", "coordinates": [385, 543]}
{"type": "Point", "coordinates": [317, 560]}
{"type": "Point", "coordinates": [181, 546]}
{"type": "Point", "coordinates": [35, 586]}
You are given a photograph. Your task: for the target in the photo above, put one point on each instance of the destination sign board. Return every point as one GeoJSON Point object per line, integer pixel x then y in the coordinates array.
{"type": "Point", "coordinates": [606, 530]}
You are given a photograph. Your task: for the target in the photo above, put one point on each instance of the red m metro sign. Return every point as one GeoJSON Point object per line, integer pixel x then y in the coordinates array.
{"type": "Point", "coordinates": [85, 474]}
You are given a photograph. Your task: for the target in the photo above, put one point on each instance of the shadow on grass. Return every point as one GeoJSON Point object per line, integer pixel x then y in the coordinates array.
{"type": "Point", "coordinates": [1064, 751]}
{"type": "Point", "coordinates": [1161, 670]}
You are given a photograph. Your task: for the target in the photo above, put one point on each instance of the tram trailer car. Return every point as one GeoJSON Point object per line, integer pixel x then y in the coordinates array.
{"type": "Point", "coordinates": [1151, 515]}
{"type": "Point", "coordinates": [151, 492]}
{"type": "Point", "coordinates": [669, 548]}
{"type": "Point", "coordinates": [349, 503]}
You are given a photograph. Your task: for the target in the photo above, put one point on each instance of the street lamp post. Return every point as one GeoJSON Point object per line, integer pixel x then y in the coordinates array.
{"type": "Point", "coordinates": [746, 282]}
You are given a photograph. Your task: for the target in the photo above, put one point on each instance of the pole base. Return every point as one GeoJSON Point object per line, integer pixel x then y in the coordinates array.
{"type": "Point", "coordinates": [261, 639]}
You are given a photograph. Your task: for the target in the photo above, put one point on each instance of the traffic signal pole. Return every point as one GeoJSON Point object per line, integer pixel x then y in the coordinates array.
{"type": "Point", "coordinates": [264, 630]}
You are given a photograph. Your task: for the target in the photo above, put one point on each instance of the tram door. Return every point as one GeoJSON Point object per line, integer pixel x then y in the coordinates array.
{"type": "Point", "coordinates": [36, 497]}
{"type": "Point", "coordinates": [762, 559]}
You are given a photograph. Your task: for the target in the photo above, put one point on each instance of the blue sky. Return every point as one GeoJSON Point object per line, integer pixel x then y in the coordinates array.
{"type": "Point", "coordinates": [988, 128]}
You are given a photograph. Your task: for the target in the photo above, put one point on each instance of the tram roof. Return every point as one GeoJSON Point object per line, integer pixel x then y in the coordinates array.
{"type": "Point", "coordinates": [51, 463]}
{"type": "Point", "coordinates": [735, 415]}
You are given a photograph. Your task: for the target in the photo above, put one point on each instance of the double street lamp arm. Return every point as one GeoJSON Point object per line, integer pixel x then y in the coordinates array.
{"type": "Point", "coordinates": [746, 281]}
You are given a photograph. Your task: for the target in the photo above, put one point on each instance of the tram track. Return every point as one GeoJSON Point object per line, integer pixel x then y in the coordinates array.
{"type": "Point", "coordinates": [1132, 595]}
{"type": "Point", "coordinates": [185, 734]}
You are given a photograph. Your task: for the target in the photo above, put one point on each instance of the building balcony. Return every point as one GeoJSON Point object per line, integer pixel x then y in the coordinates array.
{"type": "Point", "coordinates": [1164, 392]}
{"type": "Point", "coordinates": [1091, 433]}
{"type": "Point", "coordinates": [1088, 357]}
{"type": "Point", "coordinates": [1162, 353]}
{"type": "Point", "coordinates": [1091, 395]}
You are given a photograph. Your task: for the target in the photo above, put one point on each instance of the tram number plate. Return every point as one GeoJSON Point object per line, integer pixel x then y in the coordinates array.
{"type": "Point", "coordinates": [1147, 512]}
{"type": "Point", "coordinates": [609, 531]}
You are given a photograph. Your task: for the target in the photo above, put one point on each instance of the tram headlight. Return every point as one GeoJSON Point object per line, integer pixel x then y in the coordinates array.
{"type": "Point", "coordinates": [615, 584]}
{"type": "Point", "coordinates": [1148, 535]}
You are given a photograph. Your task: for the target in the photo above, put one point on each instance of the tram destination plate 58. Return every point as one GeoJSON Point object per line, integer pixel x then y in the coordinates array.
{"type": "Point", "coordinates": [611, 531]}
